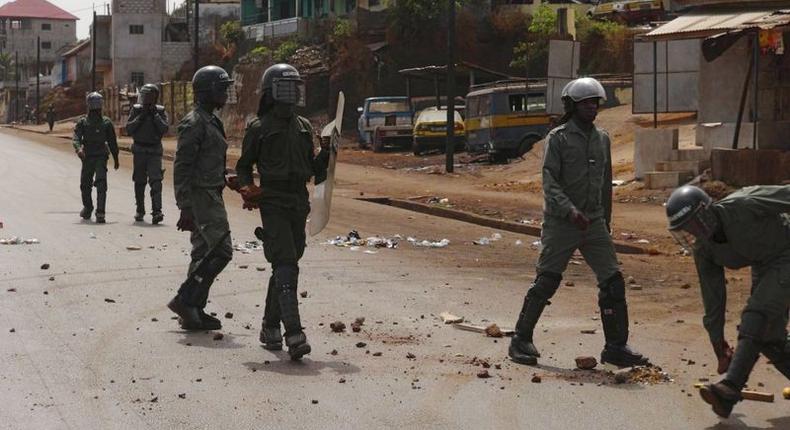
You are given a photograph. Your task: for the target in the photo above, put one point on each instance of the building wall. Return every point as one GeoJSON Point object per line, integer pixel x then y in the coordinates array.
{"type": "Point", "coordinates": [62, 33]}
{"type": "Point", "coordinates": [174, 55]}
{"type": "Point", "coordinates": [137, 52]}
{"type": "Point", "coordinates": [139, 6]}
{"type": "Point", "coordinates": [212, 16]}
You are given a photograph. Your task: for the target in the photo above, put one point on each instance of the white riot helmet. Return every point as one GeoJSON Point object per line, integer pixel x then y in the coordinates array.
{"type": "Point", "coordinates": [583, 89]}
{"type": "Point", "coordinates": [94, 100]}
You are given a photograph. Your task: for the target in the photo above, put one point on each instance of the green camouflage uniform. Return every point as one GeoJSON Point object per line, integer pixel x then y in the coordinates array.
{"type": "Point", "coordinates": [147, 127]}
{"type": "Point", "coordinates": [95, 136]}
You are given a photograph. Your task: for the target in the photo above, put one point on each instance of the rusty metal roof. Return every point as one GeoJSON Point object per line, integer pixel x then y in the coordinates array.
{"type": "Point", "coordinates": [704, 24]}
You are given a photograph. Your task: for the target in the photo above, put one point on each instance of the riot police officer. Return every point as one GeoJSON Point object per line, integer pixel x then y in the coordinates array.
{"type": "Point", "coordinates": [94, 138]}
{"type": "Point", "coordinates": [199, 178]}
{"type": "Point", "coordinates": [750, 227]}
{"type": "Point", "coordinates": [147, 125]}
{"type": "Point", "coordinates": [577, 187]}
{"type": "Point", "coordinates": [280, 144]}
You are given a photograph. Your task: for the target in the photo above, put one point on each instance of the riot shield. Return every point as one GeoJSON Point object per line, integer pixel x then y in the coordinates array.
{"type": "Point", "coordinates": [321, 200]}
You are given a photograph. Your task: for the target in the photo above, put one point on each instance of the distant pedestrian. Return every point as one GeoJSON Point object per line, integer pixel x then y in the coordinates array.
{"type": "Point", "coordinates": [51, 117]}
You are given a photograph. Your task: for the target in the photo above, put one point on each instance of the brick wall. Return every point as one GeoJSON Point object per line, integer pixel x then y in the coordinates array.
{"type": "Point", "coordinates": [138, 6]}
{"type": "Point", "coordinates": [174, 55]}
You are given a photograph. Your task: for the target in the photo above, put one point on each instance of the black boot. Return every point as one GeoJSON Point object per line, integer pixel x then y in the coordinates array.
{"type": "Point", "coordinates": [522, 350]}
{"type": "Point", "coordinates": [156, 202]}
{"type": "Point", "coordinates": [101, 202]}
{"type": "Point", "coordinates": [189, 316]}
{"type": "Point", "coordinates": [157, 217]}
{"type": "Point", "coordinates": [722, 396]}
{"type": "Point", "coordinates": [271, 337]}
{"type": "Point", "coordinates": [209, 322]}
{"type": "Point", "coordinates": [139, 199]}
{"type": "Point", "coordinates": [87, 204]}
{"type": "Point", "coordinates": [614, 317]}
{"type": "Point", "coordinates": [286, 279]}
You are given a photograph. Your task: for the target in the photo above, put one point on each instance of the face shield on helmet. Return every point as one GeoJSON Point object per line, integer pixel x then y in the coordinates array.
{"type": "Point", "coordinates": [691, 224]}
{"type": "Point", "coordinates": [289, 90]}
{"type": "Point", "coordinates": [583, 89]}
{"type": "Point", "coordinates": [148, 95]}
{"type": "Point", "coordinates": [94, 101]}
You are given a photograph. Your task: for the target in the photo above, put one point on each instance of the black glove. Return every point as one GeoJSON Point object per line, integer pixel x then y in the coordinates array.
{"type": "Point", "coordinates": [185, 221]}
{"type": "Point", "coordinates": [578, 218]}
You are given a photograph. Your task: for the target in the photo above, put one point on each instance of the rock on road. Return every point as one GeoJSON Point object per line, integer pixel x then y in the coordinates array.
{"type": "Point", "coordinates": [88, 342]}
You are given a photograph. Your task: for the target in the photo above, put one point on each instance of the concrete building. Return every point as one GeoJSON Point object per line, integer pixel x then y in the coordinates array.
{"type": "Point", "coordinates": [214, 13]}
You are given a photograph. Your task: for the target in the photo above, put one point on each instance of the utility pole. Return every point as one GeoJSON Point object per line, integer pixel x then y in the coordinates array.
{"type": "Point", "coordinates": [450, 148]}
{"type": "Point", "coordinates": [38, 77]}
{"type": "Point", "coordinates": [16, 90]}
{"type": "Point", "coordinates": [197, 27]}
{"type": "Point", "coordinates": [93, 55]}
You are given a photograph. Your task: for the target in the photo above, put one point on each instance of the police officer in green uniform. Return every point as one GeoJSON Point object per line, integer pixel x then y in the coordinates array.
{"type": "Point", "coordinates": [147, 125]}
{"type": "Point", "coordinates": [577, 187]}
{"type": "Point", "coordinates": [280, 144]}
{"type": "Point", "coordinates": [199, 179]}
{"type": "Point", "coordinates": [94, 139]}
{"type": "Point", "coordinates": [750, 227]}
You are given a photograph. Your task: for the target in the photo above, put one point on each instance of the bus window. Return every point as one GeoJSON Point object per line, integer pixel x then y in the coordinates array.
{"type": "Point", "coordinates": [537, 102]}
{"type": "Point", "coordinates": [472, 105]}
{"type": "Point", "coordinates": [485, 105]}
{"type": "Point", "coordinates": [516, 102]}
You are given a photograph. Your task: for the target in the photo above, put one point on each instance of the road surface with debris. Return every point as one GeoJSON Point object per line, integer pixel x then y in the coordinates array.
{"type": "Point", "coordinates": [87, 342]}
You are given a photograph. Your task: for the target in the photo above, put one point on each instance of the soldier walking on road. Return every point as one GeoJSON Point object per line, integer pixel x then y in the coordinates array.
{"type": "Point", "coordinates": [280, 144]}
{"type": "Point", "coordinates": [51, 117]}
{"type": "Point", "coordinates": [94, 139]}
{"type": "Point", "coordinates": [750, 227]}
{"type": "Point", "coordinates": [577, 186]}
{"type": "Point", "coordinates": [147, 125]}
{"type": "Point", "coordinates": [199, 178]}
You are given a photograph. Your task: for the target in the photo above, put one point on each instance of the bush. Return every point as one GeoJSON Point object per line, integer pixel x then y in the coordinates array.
{"type": "Point", "coordinates": [231, 32]}
{"type": "Point", "coordinates": [343, 29]}
{"type": "Point", "coordinates": [285, 51]}
{"type": "Point", "coordinates": [258, 54]}
{"type": "Point", "coordinates": [607, 47]}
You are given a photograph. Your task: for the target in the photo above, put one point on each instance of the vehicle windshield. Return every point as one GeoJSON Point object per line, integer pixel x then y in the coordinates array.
{"type": "Point", "coordinates": [388, 106]}
{"type": "Point", "coordinates": [434, 115]}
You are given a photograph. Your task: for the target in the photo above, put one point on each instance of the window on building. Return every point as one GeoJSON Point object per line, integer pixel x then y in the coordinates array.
{"type": "Point", "coordinates": [16, 24]}
{"type": "Point", "coordinates": [46, 45]}
{"type": "Point", "coordinates": [138, 79]}
{"type": "Point", "coordinates": [136, 29]}
{"type": "Point", "coordinates": [46, 26]}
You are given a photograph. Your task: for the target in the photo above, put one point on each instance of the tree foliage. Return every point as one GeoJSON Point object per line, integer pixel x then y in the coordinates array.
{"type": "Point", "coordinates": [286, 49]}
{"type": "Point", "coordinates": [231, 32]}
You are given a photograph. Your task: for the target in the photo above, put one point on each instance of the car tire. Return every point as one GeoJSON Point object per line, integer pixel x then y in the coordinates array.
{"type": "Point", "coordinates": [526, 145]}
{"type": "Point", "coordinates": [416, 148]}
{"type": "Point", "coordinates": [378, 143]}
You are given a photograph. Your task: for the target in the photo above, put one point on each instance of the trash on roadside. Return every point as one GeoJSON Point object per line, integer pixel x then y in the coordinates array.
{"type": "Point", "coordinates": [519, 242]}
{"type": "Point", "coordinates": [248, 247]}
{"type": "Point", "coordinates": [449, 318]}
{"type": "Point", "coordinates": [18, 241]}
{"type": "Point", "coordinates": [536, 245]}
{"type": "Point", "coordinates": [487, 240]}
{"type": "Point", "coordinates": [428, 243]}
{"type": "Point", "coordinates": [483, 329]}
{"type": "Point", "coordinates": [354, 240]}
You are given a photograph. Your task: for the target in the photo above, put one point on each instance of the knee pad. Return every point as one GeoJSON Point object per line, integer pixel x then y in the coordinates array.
{"type": "Point", "coordinates": [612, 290]}
{"type": "Point", "coordinates": [545, 286]}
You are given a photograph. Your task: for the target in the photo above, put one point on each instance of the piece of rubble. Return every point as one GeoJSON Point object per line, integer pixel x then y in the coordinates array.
{"type": "Point", "coordinates": [586, 362]}
{"type": "Point", "coordinates": [182, 396]}
{"type": "Point", "coordinates": [218, 336]}
{"type": "Point", "coordinates": [11, 290]}
{"type": "Point", "coordinates": [449, 318]}
{"type": "Point", "coordinates": [133, 248]}
{"type": "Point", "coordinates": [13, 330]}
{"type": "Point", "coordinates": [338, 326]}
{"type": "Point", "coordinates": [588, 331]}
{"type": "Point", "coordinates": [493, 330]}
{"type": "Point", "coordinates": [536, 379]}
{"type": "Point", "coordinates": [243, 266]}
{"type": "Point", "coordinates": [303, 294]}
{"type": "Point", "coordinates": [569, 284]}
{"type": "Point", "coordinates": [483, 374]}
{"type": "Point", "coordinates": [45, 266]}
{"type": "Point", "coordinates": [685, 286]}
{"type": "Point", "coordinates": [334, 352]}
{"type": "Point", "coordinates": [411, 356]}
{"type": "Point", "coordinates": [260, 268]}
{"type": "Point", "coordinates": [356, 328]}
{"type": "Point", "coordinates": [361, 344]}
{"type": "Point", "coordinates": [109, 300]}
{"type": "Point", "coordinates": [229, 315]}
{"type": "Point", "coordinates": [631, 280]}
{"type": "Point", "coordinates": [377, 354]}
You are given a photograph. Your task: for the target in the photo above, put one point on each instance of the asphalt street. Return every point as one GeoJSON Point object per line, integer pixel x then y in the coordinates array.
{"type": "Point", "coordinates": [88, 342]}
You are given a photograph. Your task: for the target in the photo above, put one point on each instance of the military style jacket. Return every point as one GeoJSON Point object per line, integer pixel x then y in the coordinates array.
{"type": "Point", "coordinates": [147, 127]}
{"type": "Point", "coordinates": [756, 224]}
{"type": "Point", "coordinates": [282, 150]}
{"type": "Point", "coordinates": [95, 136]}
{"type": "Point", "coordinates": [577, 172]}
{"type": "Point", "coordinates": [200, 155]}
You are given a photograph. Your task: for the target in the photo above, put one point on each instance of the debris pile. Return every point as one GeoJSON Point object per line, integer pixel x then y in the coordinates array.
{"type": "Point", "coordinates": [248, 247]}
{"type": "Point", "coordinates": [487, 240]}
{"type": "Point", "coordinates": [18, 241]}
{"type": "Point", "coordinates": [428, 243]}
{"type": "Point", "coordinates": [645, 375]}
{"type": "Point", "coordinates": [354, 240]}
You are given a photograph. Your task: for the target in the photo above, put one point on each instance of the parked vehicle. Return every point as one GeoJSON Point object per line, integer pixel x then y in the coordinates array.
{"type": "Point", "coordinates": [629, 12]}
{"type": "Point", "coordinates": [385, 121]}
{"type": "Point", "coordinates": [430, 130]}
{"type": "Point", "coordinates": [503, 121]}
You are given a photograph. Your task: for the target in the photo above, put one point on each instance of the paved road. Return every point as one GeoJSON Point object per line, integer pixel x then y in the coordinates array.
{"type": "Point", "coordinates": [76, 360]}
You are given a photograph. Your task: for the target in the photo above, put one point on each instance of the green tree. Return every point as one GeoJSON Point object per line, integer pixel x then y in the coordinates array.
{"type": "Point", "coordinates": [231, 32]}
{"type": "Point", "coordinates": [285, 51]}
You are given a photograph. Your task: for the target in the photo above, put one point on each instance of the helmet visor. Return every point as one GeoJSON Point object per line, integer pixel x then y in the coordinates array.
{"type": "Point", "coordinates": [686, 240]}
{"type": "Point", "coordinates": [289, 91]}
{"type": "Point", "coordinates": [147, 97]}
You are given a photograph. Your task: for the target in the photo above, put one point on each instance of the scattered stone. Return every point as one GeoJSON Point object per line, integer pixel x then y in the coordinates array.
{"type": "Point", "coordinates": [338, 326]}
{"type": "Point", "coordinates": [449, 318]}
{"type": "Point", "coordinates": [411, 356]}
{"type": "Point", "coordinates": [218, 336]}
{"type": "Point", "coordinates": [569, 284]}
{"type": "Point", "coordinates": [133, 248]}
{"type": "Point", "coordinates": [483, 374]}
{"type": "Point", "coordinates": [334, 352]}
{"type": "Point", "coordinates": [356, 328]}
{"type": "Point", "coordinates": [260, 268]}
{"type": "Point", "coordinates": [361, 344]}
{"type": "Point", "coordinates": [303, 294]}
{"type": "Point", "coordinates": [493, 330]}
{"type": "Point", "coordinates": [588, 331]}
{"type": "Point", "coordinates": [586, 362]}
{"type": "Point", "coordinates": [45, 266]}
{"type": "Point", "coordinates": [360, 321]}
{"type": "Point", "coordinates": [155, 399]}
{"type": "Point", "coordinates": [243, 266]}
{"type": "Point", "coordinates": [377, 354]}
{"type": "Point", "coordinates": [46, 293]}
{"type": "Point", "coordinates": [182, 396]}
{"type": "Point", "coordinates": [621, 377]}
{"type": "Point", "coordinates": [631, 280]}
{"type": "Point", "coordinates": [109, 300]}
{"type": "Point", "coordinates": [342, 381]}
{"type": "Point", "coordinates": [536, 379]}
{"type": "Point", "coordinates": [685, 286]}
{"type": "Point", "coordinates": [51, 278]}
{"type": "Point", "coordinates": [229, 315]}
{"type": "Point", "coordinates": [13, 330]}
{"type": "Point", "coordinates": [154, 320]}
{"type": "Point", "coordinates": [314, 401]}
{"type": "Point", "coordinates": [11, 290]}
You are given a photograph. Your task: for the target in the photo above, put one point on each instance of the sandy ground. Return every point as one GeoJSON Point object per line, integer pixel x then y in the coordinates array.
{"type": "Point", "coordinates": [88, 342]}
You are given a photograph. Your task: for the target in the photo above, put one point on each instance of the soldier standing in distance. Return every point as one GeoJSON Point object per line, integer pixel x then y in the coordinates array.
{"type": "Point", "coordinates": [199, 178]}
{"type": "Point", "coordinates": [94, 139]}
{"type": "Point", "coordinates": [147, 125]}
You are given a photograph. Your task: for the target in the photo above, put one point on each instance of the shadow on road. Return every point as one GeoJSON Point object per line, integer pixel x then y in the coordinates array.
{"type": "Point", "coordinates": [305, 367]}
{"type": "Point", "coordinates": [734, 422]}
{"type": "Point", "coordinates": [587, 377]}
{"type": "Point", "coordinates": [206, 339]}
